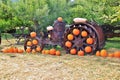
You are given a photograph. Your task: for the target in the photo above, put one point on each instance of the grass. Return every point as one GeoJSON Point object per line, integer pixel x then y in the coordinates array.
{"type": "Point", "coordinates": [113, 43]}
{"type": "Point", "coordinates": [65, 67]}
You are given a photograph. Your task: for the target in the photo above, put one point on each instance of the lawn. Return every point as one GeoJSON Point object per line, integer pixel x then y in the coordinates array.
{"type": "Point", "coordinates": [65, 67]}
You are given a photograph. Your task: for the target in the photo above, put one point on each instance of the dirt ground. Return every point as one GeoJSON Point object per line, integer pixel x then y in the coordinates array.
{"type": "Point", "coordinates": [64, 67]}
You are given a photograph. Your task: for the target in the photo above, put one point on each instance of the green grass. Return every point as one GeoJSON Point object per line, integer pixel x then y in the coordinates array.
{"type": "Point", "coordinates": [113, 43]}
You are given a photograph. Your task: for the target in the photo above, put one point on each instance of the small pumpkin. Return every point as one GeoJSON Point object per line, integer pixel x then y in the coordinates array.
{"type": "Point", "coordinates": [84, 33]}
{"type": "Point", "coordinates": [47, 51]}
{"type": "Point", "coordinates": [70, 37]}
{"type": "Point", "coordinates": [15, 49]}
{"type": "Point", "coordinates": [97, 53]}
{"type": "Point", "coordinates": [33, 34]}
{"type": "Point", "coordinates": [89, 40]}
{"type": "Point", "coordinates": [117, 54]}
{"type": "Point", "coordinates": [80, 53]}
{"type": "Point", "coordinates": [38, 49]}
{"type": "Point", "coordinates": [20, 50]}
{"type": "Point", "coordinates": [35, 41]}
{"type": "Point", "coordinates": [60, 19]}
{"type": "Point", "coordinates": [29, 43]}
{"type": "Point", "coordinates": [103, 53]}
{"type": "Point", "coordinates": [58, 53]}
{"type": "Point", "coordinates": [52, 51]}
{"type": "Point", "coordinates": [43, 51]}
{"type": "Point", "coordinates": [68, 44]}
{"type": "Point", "coordinates": [110, 55]}
{"type": "Point", "coordinates": [88, 49]}
{"type": "Point", "coordinates": [28, 50]}
{"type": "Point", "coordinates": [33, 51]}
{"type": "Point", "coordinates": [76, 32]}
{"type": "Point", "coordinates": [73, 51]}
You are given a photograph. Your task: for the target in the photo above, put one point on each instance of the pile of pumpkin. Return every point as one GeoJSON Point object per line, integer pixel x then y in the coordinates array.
{"type": "Point", "coordinates": [84, 34]}
{"type": "Point", "coordinates": [34, 47]}
{"type": "Point", "coordinates": [12, 49]}
{"type": "Point", "coordinates": [104, 53]}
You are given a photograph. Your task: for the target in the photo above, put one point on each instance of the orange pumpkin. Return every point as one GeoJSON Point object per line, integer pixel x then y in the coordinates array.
{"type": "Point", "coordinates": [33, 51]}
{"type": "Point", "coordinates": [58, 53]}
{"type": "Point", "coordinates": [70, 37]}
{"type": "Point", "coordinates": [15, 49]}
{"type": "Point", "coordinates": [110, 55]}
{"type": "Point", "coordinates": [29, 43]}
{"type": "Point", "coordinates": [38, 49]}
{"type": "Point", "coordinates": [103, 53]}
{"type": "Point", "coordinates": [52, 51]}
{"type": "Point", "coordinates": [84, 34]}
{"type": "Point", "coordinates": [68, 44]}
{"type": "Point", "coordinates": [97, 53]}
{"type": "Point", "coordinates": [5, 50]}
{"type": "Point", "coordinates": [80, 53]}
{"type": "Point", "coordinates": [33, 34]}
{"type": "Point", "coordinates": [117, 54]}
{"type": "Point", "coordinates": [28, 50]}
{"type": "Point", "coordinates": [47, 51]}
{"type": "Point", "coordinates": [43, 51]}
{"type": "Point", "coordinates": [73, 51]}
{"type": "Point", "coordinates": [89, 41]}
{"type": "Point", "coordinates": [76, 32]}
{"type": "Point", "coordinates": [88, 49]}
{"type": "Point", "coordinates": [20, 51]}
{"type": "Point", "coordinates": [60, 19]}
{"type": "Point", "coordinates": [35, 41]}
{"type": "Point", "coordinates": [10, 50]}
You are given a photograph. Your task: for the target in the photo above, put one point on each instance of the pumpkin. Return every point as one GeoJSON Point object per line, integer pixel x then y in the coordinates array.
{"type": "Point", "coordinates": [80, 53]}
{"type": "Point", "coordinates": [73, 51]}
{"type": "Point", "coordinates": [38, 49]}
{"type": "Point", "coordinates": [88, 49]}
{"type": "Point", "coordinates": [97, 53]}
{"type": "Point", "coordinates": [84, 33]}
{"type": "Point", "coordinates": [28, 50]}
{"type": "Point", "coordinates": [58, 53]}
{"type": "Point", "coordinates": [5, 50]}
{"type": "Point", "coordinates": [103, 53]}
{"type": "Point", "coordinates": [52, 51]}
{"type": "Point", "coordinates": [43, 51]}
{"type": "Point", "coordinates": [47, 51]}
{"type": "Point", "coordinates": [70, 37]}
{"type": "Point", "coordinates": [76, 32]}
{"type": "Point", "coordinates": [33, 34]}
{"type": "Point", "coordinates": [117, 54]}
{"type": "Point", "coordinates": [68, 44]}
{"type": "Point", "coordinates": [15, 49]}
{"type": "Point", "coordinates": [60, 19]}
{"type": "Point", "coordinates": [110, 55]}
{"type": "Point", "coordinates": [35, 41]}
{"type": "Point", "coordinates": [11, 49]}
{"type": "Point", "coordinates": [89, 41]}
{"type": "Point", "coordinates": [20, 51]}
{"type": "Point", "coordinates": [29, 43]}
{"type": "Point", "coordinates": [33, 51]}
